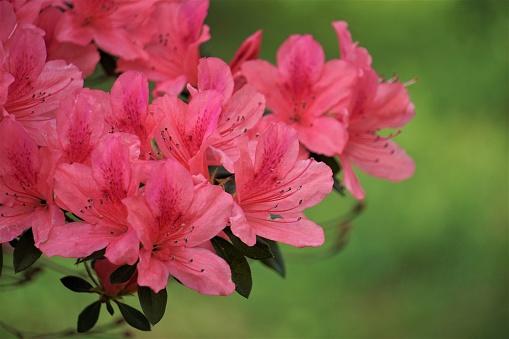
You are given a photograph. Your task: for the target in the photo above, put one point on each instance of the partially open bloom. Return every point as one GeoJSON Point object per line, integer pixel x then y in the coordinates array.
{"type": "Point", "coordinates": [38, 86]}
{"type": "Point", "coordinates": [372, 107]}
{"type": "Point", "coordinates": [94, 194]}
{"type": "Point", "coordinates": [273, 188]}
{"type": "Point", "coordinates": [302, 89]}
{"type": "Point", "coordinates": [171, 38]}
{"type": "Point", "coordinates": [241, 110]}
{"type": "Point", "coordinates": [26, 185]}
{"type": "Point", "coordinates": [172, 218]}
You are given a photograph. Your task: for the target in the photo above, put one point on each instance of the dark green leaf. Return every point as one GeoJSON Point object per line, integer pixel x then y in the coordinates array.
{"type": "Point", "coordinates": [277, 263]}
{"type": "Point", "coordinates": [258, 251]}
{"type": "Point", "coordinates": [133, 317]}
{"type": "Point", "coordinates": [123, 274]}
{"type": "Point", "coordinates": [77, 284]}
{"type": "Point", "coordinates": [13, 242]}
{"type": "Point", "coordinates": [88, 317]}
{"type": "Point", "coordinates": [338, 186]}
{"type": "Point", "coordinates": [241, 272]}
{"type": "Point", "coordinates": [97, 255]}
{"type": "Point", "coordinates": [153, 304]}
{"type": "Point", "coordinates": [108, 63]}
{"type": "Point", "coordinates": [110, 309]}
{"type": "Point", "coordinates": [1, 259]}
{"type": "Point", "coordinates": [332, 162]}
{"type": "Point", "coordinates": [25, 252]}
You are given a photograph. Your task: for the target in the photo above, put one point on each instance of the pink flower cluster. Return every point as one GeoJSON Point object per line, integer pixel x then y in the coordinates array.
{"type": "Point", "coordinates": [139, 176]}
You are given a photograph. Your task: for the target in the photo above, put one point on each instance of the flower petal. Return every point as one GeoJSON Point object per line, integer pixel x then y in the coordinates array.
{"type": "Point", "coordinates": [207, 273]}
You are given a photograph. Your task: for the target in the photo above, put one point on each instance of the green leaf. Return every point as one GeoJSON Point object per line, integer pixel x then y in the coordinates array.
{"type": "Point", "coordinates": [77, 284]}
{"type": "Point", "coordinates": [13, 242]}
{"type": "Point", "coordinates": [260, 250]}
{"type": "Point", "coordinates": [97, 255]}
{"type": "Point", "coordinates": [69, 217]}
{"type": "Point", "coordinates": [110, 309]}
{"type": "Point", "coordinates": [123, 274]}
{"type": "Point", "coordinates": [338, 187]}
{"type": "Point", "coordinates": [277, 263]}
{"type": "Point", "coordinates": [88, 317]}
{"type": "Point", "coordinates": [241, 272]}
{"type": "Point", "coordinates": [25, 252]}
{"type": "Point", "coordinates": [133, 317]}
{"type": "Point", "coordinates": [153, 304]}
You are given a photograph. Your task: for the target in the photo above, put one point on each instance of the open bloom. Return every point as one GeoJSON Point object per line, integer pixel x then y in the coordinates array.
{"type": "Point", "coordinates": [94, 194]}
{"type": "Point", "coordinates": [302, 89]}
{"type": "Point", "coordinates": [183, 132]}
{"type": "Point", "coordinates": [172, 218]}
{"type": "Point", "coordinates": [26, 185]}
{"type": "Point", "coordinates": [273, 188]}
{"type": "Point", "coordinates": [171, 38]}
{"type": "Point", "coordinates": [106, 22]}
{"type": "Point", "coordinates": [240, 111]}
{"type": "Point", "coordinates": [372, 107]}
{"type": "Point", "coordinates": [37, 86]}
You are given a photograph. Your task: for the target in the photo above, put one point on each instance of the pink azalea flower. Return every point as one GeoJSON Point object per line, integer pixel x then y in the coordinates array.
{"type": "Point", "coordinates": [172, 218]}
{"type": "Point", "coordinates": [171, 39]}
{"type": "Point", "coordinates": [84, 57]}
{"type": "Point", "coordinates": [183, 133]}
{"type": "Point", "coordinates": [373, 106]}
{"type": "Point", "coordinates": [302, 89]}
{"type": "Point", "coordinates": [241, 110]}
{"type": "Point", "coordinates": [106, 22]}
{"type": "Point", "coordinates": [26, 185]}
{"type": "Point", "coordinates": [95, 195]}
{"type": "Point", "coordinates": [273, 188]}
{"type": "Point", "coordinates": [38, 86]}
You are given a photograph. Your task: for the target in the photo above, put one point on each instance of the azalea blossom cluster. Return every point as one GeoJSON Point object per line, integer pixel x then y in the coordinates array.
{"type": "Point", "coordinates": [223, 151]}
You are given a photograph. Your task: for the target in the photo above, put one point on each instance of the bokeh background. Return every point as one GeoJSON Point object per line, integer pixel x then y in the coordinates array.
{"type": "Point", "coordinates": [427, 258]}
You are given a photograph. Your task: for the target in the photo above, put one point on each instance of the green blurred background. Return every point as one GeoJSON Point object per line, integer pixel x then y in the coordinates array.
{"type": "Point", "coordinates": [428, 258]}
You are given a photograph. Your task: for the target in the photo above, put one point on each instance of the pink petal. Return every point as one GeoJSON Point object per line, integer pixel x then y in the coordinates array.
{"type": "Point", "coordinates": [75, 240]}
{"type": "Point", "coordinates": [8, 20]}
{"type": "Point", "coordinates": [27, 56]}
{"type": "Point", "coordinates": [111, 168]}
{"type": "Point", "coordinates": [241, 227]}
{"type": "Point", "coordinates": [300, 63]}
{"type": "Point", "coordinates": [292, 230]}
{"type": "Point", "coordinates": [129, 103]}
{"type": "Point", "coordinates": [387, 162]}
{"type": "Point", "coordinates": [209, 211]}
{"type": "Point", "coordinates": [207, 273]}
{"type": "Point", "coordinates": [349, 51]}
{"type": "Point", "coordinates": [80, 121]}
{"type": "Point", "coordinates": [391, 107]}
{"type": "Point", "coordinates": [326, 136]}
{"type": "Point", "coordinates": [124, 248]}
{"type": "Point", "coordinates": [214, 73]}
{"type": "Point", "coordinates": [169, 191]}
{"type": "Point", "coordinates": [350, 179]}
{"type": "Point", "coordinates": [152, 272]}
{"type": "Point", "coordinates": [335, 85]}
{"type": "Point", "coordinates": [277, 151]}
{"type": "Point", "coordinates": [265, 78]}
